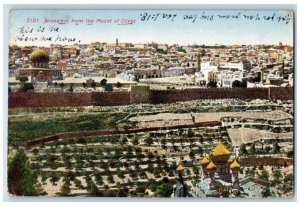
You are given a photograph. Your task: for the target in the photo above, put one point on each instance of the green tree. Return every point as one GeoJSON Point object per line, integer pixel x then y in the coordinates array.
{"type": "Point", "coordinates": [277, 177]}
{"type": "Point", "coordinates": [22, 79]}
{"type": "Point", "coordinates": [64, 190]}
{"type": "Point", "coordinates": [93, 190]}
{"type": "Point", "coordinates": [290, 154]}
{"type": "Point", "coordinates": [163, 141]}
{"type": "Point", "coordinates": [264, 175]}
{"type": "Point", "coordinates": [266, 192]}
{"type": "Point", "coordinates": [164, 190]}
{"type": "Point", "coordinates": [243, 149]}
{"type": "Point", "coordinates": [119, 84]}
{"type": "Point", "coordinates": [149, 141]}
{"type": "Point", "coordinates": [190, 133]}
{"type": "Point", "coordinates": [238, 83]}
{"type": "Point", "coordinates": [103, 82]}
{"type": "Point", "coordinates": [83, 84]}
{"type": "Point", "coordinates": [108, 88]}
{"type": "Point", "coordinates": [211, 84]}
{"type": "Point", "coordinates": [135, 140]}
{"type": "Point", "coordinates": [61, 85]}
{"type": "Point", "coordinates": [27, 86]}
{"type": "Point", "coordinates": [276, 148]}
{"type": "Point", "coordinates": [21, 179]}
{"type": "Point", "coordinates": [123, 140]}
{"type": "Point", "coordinates": [71, 88]}
{"type": "Point", "coordinates": [252, 149]}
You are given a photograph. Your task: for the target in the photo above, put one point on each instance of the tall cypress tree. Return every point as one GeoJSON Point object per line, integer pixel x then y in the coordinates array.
{"type": "Point", "coordinates": [21, 180]}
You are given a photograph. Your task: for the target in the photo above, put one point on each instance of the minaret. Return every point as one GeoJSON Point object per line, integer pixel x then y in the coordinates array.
{"type": "Point", "coordinates": [211, 167]}
{"type": "Point", "coordinates": [181, 187]}
{"type": "Point", "coordinates": [198, 69]}
{"type": "Point", "coordinates": [235, 168]}
{"type": "Point", "coordinates": [282, 68]}
{"type": "Point", "coordinates": [117, 42]}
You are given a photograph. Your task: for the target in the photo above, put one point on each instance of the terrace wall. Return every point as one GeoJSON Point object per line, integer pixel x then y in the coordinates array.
{"type": "Point", "coordinates": [91, 133]}
{"type": "Point", "coordinates": [257, 161]}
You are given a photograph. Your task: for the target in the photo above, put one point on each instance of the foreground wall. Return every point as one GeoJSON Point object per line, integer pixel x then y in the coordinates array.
{"type": "Point", "coordinates": [36, 100]}
{"type": "Point", "coordinates": [169, 96]}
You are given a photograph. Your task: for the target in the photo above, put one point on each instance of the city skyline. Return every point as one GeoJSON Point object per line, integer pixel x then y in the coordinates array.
{"type": "Point", "coordinates": [219, 30]}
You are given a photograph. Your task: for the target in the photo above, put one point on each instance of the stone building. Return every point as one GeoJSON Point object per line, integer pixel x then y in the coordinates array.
{"type": "Point", "coordinates": [39, 70]}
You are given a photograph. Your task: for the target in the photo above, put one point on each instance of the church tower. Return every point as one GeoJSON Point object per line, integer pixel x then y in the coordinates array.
{"type": "Point", "coordinates": [181, 189]}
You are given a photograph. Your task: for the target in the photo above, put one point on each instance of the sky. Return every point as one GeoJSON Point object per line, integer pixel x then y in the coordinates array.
{"type": "Point", "coordinates": [163, 26]}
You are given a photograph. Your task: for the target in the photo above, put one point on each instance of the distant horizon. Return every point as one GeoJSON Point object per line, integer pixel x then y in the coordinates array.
{"type": "Point", "coordinates": [195, 44]}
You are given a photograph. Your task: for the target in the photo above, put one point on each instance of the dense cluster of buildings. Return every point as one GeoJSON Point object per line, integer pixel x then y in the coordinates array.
{"type": "Point", "coordinates": [258, 65]}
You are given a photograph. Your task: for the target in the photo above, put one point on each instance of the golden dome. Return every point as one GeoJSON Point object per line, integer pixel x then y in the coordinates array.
{"type": "Point", "coordinates": [229, 160]}
{"type": "Point", "coordinates": [39, 55]}
{"type": "Point", "coordinates": [204, 161]}
{"type": "Point", "coordinates": [180, 168]}
{"type": "Point", "coordinates": [211, 166]}
{"type": "Point", "coordinates": [234, 165]}
{"type": "Point", "coordinates": [220, 150]}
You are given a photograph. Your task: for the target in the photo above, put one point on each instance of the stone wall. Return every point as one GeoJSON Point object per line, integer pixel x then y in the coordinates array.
{"type": "Point", "coordinates": [283, 93]}
{"type": "Point", "coordinates": [139, 94]}
{"type": "Point", "coordinates": [144, 95]}
{"type": "Point", "coordinates": [256, 161]}
{"type": "Point", "coordinates": [169, 96]}
{"type": "Point", "coordinates": [37, 100]}
{"type": "Point", "coordinates": [110, 98]}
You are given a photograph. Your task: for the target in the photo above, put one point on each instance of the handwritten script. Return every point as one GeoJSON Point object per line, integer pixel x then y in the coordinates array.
{"type": "Point", "coordinates": [51, 29]}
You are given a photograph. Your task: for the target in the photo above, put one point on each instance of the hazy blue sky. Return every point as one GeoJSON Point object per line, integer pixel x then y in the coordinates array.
{"type": "Point", "coordinates": [163, 30]}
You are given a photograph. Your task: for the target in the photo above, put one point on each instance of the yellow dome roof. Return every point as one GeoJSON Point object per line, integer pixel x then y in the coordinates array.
{"type": "Point", "coordinates": [204, 161]}
{"type": "Point", "coordinates": [220, 150]}
{"type": "Point", "coordinates": [229, 160]}
{"type": "Point", "coordinates": [211, 166]}
{"type": "Point", "coordinates": [234, 165]}
{"type": "Point", "coordinates": [180, 168]}
{"type": "Point", "coordinates": [39, 55]}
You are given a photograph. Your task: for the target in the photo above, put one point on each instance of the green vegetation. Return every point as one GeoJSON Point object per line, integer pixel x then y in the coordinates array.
{"type": "Point", "coordinates": [27, 86]}
{"type": "Point", "coordinates": [264, 175]}
{"type": "Point", "coordinates": [21, 180]}
{"type": "Point", "coordinates": [71, 89]}
{"type": "Point", "coordinates": [22, 79]}
{"type": "Point", "coordinates": [103, 82]}
{"type": "Point", "coordinates": [119, 84]}
{"type": "Point", "coordinates": [108, 88]}
{"type": "Point", "coordinates": [238, 83]}
{"type": "Point", "coordinates": [161, 51]}
{"type": "Point", "coordinates": [22, 129]}
{"type": "Point", "coordinates": [211, 84]}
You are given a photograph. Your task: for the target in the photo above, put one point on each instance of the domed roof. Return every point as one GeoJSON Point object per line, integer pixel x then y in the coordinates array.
{"type": "Point", "coordinates": [211, 166]}
{"type": "Point", "coordinates": [204, 161]}
{"type": "Point", "coordinates": [39, 55]}
{"type": "Point", "coordinates": [220, 150]}
{"type": "Point", "coordinates": [229, 160]}
{"type": "Point", "coordinates": [234, 165]}
{"type": "Point", "coordinates": [180, 168]}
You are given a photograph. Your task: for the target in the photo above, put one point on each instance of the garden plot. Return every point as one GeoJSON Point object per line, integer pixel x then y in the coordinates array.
{"type": "Point", "coordinates": [246, 135]}
{"type": "Point", "coordinates": [123, 163]}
